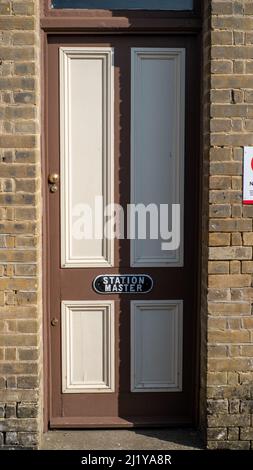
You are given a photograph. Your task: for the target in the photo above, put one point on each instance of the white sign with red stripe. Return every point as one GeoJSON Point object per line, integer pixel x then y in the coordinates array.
{"type": "Point", "coordinates": [248, 175]}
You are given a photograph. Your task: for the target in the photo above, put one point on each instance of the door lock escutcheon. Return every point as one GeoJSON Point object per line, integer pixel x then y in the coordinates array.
{"type": "Point", "coordinates": [54, 321]}
{"type": "Point", "coordinates": [53, 188]}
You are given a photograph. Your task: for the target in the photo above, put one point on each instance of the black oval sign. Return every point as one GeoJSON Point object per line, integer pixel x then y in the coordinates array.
{"type": "Point", "coordinates": [123, 284]}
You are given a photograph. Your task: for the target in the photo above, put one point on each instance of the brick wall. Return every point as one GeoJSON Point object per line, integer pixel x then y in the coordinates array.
{"type": "Point", "coordinates": [230, 266]}
{"type": "Point", "coordinates": [19, 223]}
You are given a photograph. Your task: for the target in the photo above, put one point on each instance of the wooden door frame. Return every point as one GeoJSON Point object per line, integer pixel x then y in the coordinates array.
{"type": "Point", "coordinates": [174, 24]}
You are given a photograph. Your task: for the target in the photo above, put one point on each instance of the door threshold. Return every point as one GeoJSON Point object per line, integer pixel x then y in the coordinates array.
{"type": "Point", "coordinates": [116, 422]}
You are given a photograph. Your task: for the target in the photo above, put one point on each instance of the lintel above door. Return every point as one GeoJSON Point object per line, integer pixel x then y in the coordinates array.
{"type": "Point", "coordinates": [80, 19]}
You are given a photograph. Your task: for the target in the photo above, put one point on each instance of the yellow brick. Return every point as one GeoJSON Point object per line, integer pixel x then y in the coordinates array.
{"type": "Point", "coordinates": [216, 323]}
{"type": "Point", "coordinates": [236, 239]}
{"type": "Point", "coordinates": [217, 378]}
{"type": "Point", "coordinates": [235, 267]}
{"type": "Point", "coordinates": [230, 253]}
{"type": "Point", "coordinates": [229, 364]}
{"type": "Point", "coordinates": [218, 267]}
{"type": "Point", "coordinates": [248, 323]}
{"type": "Point", "coordinates": [247, 350]}
{"type": "Point", "coordinates": [229, 336]}
{"type": "Point", "coordinates": [219, 239]}
{"type": "Point", "coordinates": [229, 308]}
{"type": "Point", "coordinates": [231, 280]}
{"type": "Point", "coordinates": [248, 239]}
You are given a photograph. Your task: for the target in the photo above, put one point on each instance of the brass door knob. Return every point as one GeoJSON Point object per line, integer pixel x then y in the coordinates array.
{"type": "Point", "coordinates": [54, 321]}
{"type": "Point", "coordinates": [53, 178]}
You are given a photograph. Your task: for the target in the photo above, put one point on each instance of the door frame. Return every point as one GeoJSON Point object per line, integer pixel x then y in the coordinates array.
{"type": "Point", "coordinates": [54, 23]}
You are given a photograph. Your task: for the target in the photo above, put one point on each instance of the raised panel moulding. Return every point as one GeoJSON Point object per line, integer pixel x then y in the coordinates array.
{"type": "Point", "coordinates": [156, 345]}
{"type": "Point", "coordinates": [158, 146]}
{"type": "Point", "coordinates": [86, 154]}
{"type": "Point", "coordinates": [88, 347]}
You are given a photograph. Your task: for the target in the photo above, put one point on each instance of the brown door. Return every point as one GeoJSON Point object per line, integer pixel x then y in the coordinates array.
{"type": "Point", "coordinates": [122, 129]}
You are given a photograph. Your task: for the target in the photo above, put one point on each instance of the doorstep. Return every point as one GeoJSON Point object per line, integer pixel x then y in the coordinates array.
{"type": "Point", "coordinates": [141, 439]}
